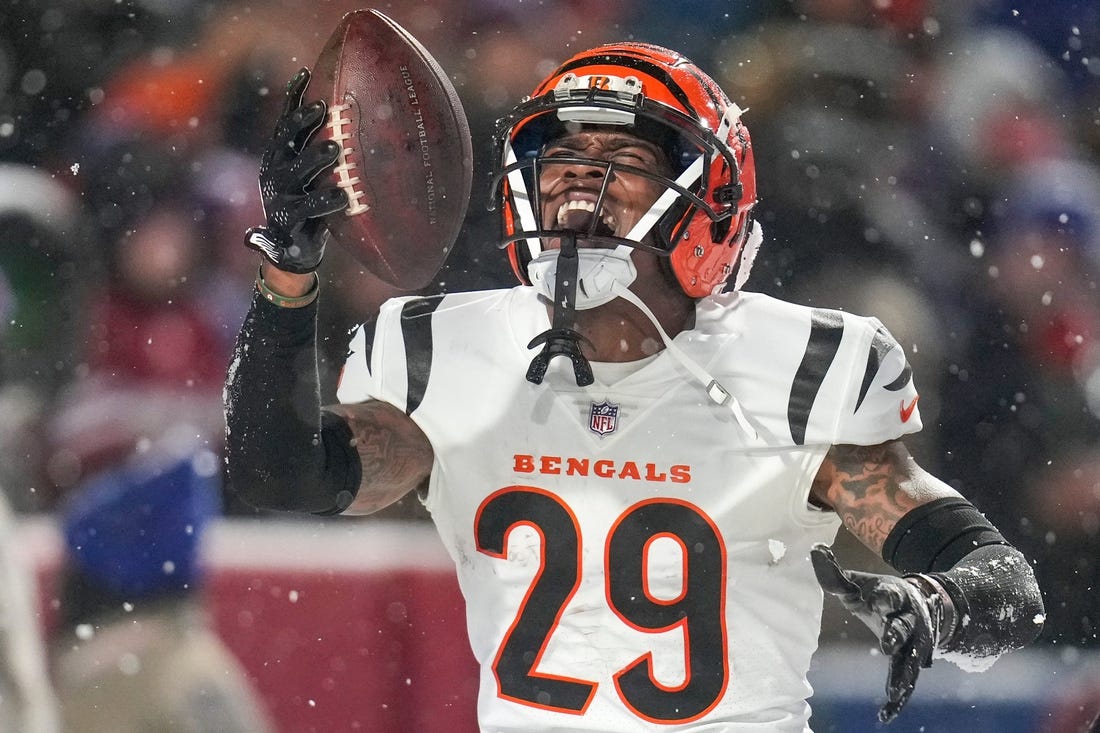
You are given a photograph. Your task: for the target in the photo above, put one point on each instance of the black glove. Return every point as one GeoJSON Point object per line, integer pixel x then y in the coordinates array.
{"type": "Point", "coordinates": [906, 618]}
{"type": "Point", "coordinates": [294, 237]}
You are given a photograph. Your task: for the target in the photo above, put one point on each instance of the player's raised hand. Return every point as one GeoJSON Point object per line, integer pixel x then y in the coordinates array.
{"type": "Point", "coordinates": [905, 618]}
{"type": "Point", "coordinates": [293, 238]}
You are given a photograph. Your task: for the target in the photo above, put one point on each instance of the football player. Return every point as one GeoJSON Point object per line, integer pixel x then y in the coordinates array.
{"type": "Point", "coordinates": [640, 528]}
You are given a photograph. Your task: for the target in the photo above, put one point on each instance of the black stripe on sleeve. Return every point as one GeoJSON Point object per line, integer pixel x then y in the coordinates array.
{"type": "Point", "coordinates": [368, 341]}
{"type": "Point", "coordinates": [902, 380]}
{"type": "Point", "coordinates": [416, 331]}
{"type": "Point", "coordinates": [826, 330]}
{"type": "Point", "coordinates": [880, 347]}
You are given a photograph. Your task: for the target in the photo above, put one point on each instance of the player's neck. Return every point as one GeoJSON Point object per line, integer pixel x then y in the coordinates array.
{"type": "Point", "coordinates": [619, 332]}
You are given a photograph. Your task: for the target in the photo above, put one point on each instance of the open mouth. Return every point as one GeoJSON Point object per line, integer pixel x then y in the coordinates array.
{"type": "Point", "coordinates": [578, 215]}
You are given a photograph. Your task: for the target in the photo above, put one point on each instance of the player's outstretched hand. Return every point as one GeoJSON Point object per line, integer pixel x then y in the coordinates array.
{"type": "Point", "coordinates": [293, 238]}
{"type": "Point", "coordinates": [904, 617]}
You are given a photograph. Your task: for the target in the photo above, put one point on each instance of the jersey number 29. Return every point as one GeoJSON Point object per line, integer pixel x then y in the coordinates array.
{"type": "Point", "coordinates": [698, 611]}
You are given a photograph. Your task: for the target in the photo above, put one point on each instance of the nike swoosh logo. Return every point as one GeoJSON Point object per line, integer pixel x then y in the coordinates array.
{"type": "Point", "coordinates": [907, 412]}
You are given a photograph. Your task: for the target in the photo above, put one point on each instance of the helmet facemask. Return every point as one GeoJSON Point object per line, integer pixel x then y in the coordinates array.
{"type": "Point", "coordinates": [700, 190]}
{"type": "Point", "coordinates": [691, 151]}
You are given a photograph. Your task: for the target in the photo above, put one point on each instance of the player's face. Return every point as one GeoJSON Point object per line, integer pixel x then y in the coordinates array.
{"type": "Point", "coordinates": [569, 190]}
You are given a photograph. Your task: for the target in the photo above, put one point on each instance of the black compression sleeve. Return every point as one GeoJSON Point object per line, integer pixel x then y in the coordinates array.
{"type": "Point", "coordinates": [936, 535]}
{"type": "Point", "coordinates": [282, 451]}
{"type": "Point", "coordinates": [996, 601]}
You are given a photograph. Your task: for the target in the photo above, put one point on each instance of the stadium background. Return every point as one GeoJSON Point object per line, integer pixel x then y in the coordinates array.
{"type": "Point", "coordinates": [931, 163]}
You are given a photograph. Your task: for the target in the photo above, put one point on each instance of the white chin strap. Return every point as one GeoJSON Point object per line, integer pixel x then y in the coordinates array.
{"type": "Point", "coordinates": [605, 274]}
{"type": "Point", "coordinates": [598, 272]}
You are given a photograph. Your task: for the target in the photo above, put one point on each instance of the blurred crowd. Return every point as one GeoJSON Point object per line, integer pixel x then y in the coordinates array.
{"type": "Point", "coordinates": [934, 163]}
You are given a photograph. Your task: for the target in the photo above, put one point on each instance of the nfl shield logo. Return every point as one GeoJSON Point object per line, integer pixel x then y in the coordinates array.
{"type": "Point", "coordinates": [603, 418]}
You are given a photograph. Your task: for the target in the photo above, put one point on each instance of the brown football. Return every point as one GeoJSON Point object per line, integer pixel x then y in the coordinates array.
{"type": "Point", "coordinates": [406, 163]}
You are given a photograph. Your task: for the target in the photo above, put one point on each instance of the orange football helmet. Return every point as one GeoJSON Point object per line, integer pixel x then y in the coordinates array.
{"type": "Point", "coordinates": [702, 220]}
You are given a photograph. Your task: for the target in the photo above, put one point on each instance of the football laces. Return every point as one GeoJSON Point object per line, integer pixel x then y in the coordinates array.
{"type": "Point", "coordinates": [346, 179]}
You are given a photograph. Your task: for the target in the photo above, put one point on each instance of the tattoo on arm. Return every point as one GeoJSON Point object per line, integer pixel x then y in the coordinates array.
{"type": "Point", "coordinates": [871, 487]}
{"type": "Point", "coordinates": [395, 454]}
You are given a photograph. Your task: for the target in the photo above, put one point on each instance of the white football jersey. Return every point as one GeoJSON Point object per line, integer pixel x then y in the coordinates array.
{"type": "Point", "coordinates": [629, 554]}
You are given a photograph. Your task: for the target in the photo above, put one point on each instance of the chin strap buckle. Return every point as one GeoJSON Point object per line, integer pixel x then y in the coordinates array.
{"type": "Point", "coordinates": [717, 392]}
